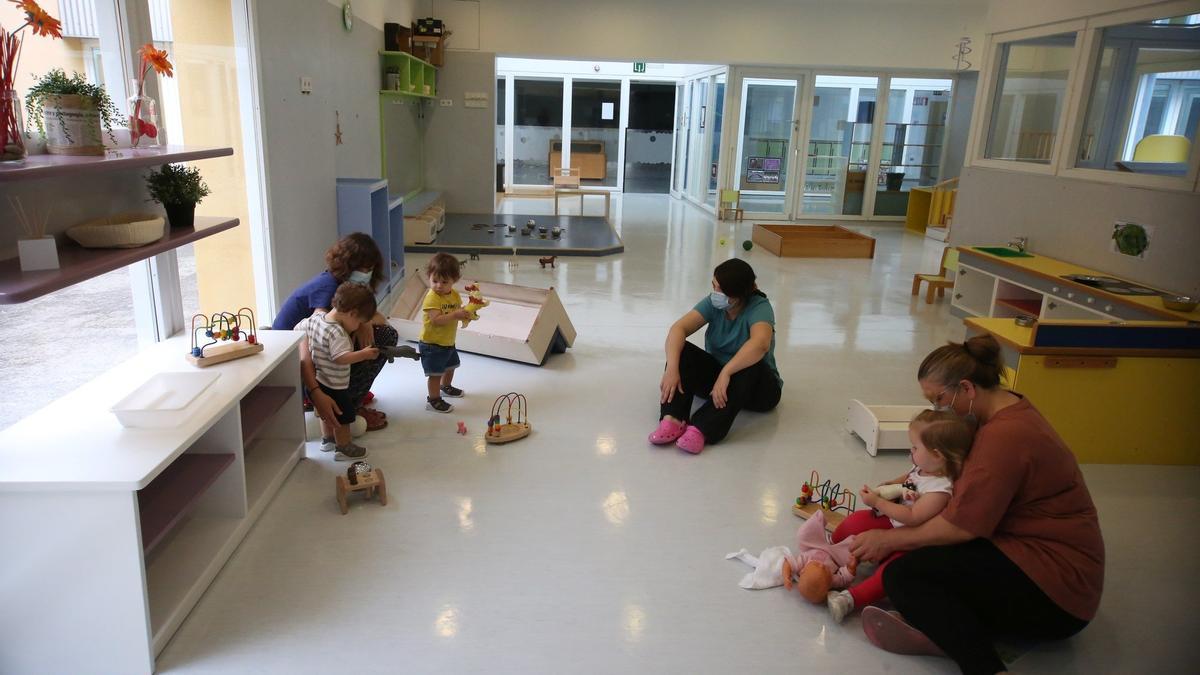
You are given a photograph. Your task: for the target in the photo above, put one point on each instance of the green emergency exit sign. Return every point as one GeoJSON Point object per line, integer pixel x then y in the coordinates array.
{"type": "Point", "coordinates": [639, 66]}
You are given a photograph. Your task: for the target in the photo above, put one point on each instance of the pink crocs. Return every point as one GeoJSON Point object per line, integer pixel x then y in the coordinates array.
{"type": "Point", "coordinates": [667, 431]}
{"type": "Point", "coordinates": [691, 441]}
{"type": "Point", "coordinates": [891, 633]}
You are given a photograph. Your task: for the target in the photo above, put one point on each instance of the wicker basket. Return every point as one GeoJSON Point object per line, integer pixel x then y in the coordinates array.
{"type": "Point", "coordinates": [125, 230]}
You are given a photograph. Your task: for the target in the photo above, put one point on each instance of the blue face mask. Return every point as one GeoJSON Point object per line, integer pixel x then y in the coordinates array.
{"type": "Point", "coordinates": [363, 278]}
{"type": "Point", "coordinates": [719, 300]}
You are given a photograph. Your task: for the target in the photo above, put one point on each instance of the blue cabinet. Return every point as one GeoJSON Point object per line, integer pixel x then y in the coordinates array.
{"type": "Point", "coordinates": [363, 205]}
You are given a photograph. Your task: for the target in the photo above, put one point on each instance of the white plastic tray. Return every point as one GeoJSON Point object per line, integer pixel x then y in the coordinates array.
{"type": "Point", "coordinates": [164, 400]}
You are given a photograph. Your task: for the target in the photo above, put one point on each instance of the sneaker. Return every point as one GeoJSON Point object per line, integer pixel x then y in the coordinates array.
{"type": "Point", "coordinates": [438, 405]}
{"type": "Point", "coordinates": [891, 633]}
{"type": "Point", "coordinates": [350, 452]}
{"type": "Point", "coordinates": [328, 445]}
{"type": "Point", "coordinates": [452, 392]}
{"type": "Point", "coordinates": [840, 604]}
{"type": "Point", "coordinates": [691, 441]}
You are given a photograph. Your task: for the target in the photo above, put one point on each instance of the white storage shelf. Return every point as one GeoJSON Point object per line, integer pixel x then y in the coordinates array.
{"type": "Point", "coordinates": [148, 516]}
{"type": "Point", "coordinates": [981, 293]}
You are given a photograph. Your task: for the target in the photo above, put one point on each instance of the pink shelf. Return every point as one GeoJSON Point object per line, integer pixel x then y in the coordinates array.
{"type": "Point", "coordinates": [80, 264]}
{"type": "Point", "coordinates": [167, 499]}
{"type": "Point", "coordinates": [258, 406]}
{"type": "Point", "coordinates": [50, 166]}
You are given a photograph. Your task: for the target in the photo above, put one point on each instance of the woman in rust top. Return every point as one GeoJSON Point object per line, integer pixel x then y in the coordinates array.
{"type": "Point", "coordinates": [1017, 551]}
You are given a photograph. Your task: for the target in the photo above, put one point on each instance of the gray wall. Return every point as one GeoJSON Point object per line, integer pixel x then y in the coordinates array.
{"type": "Point", "coordinates": [961, 103]}
{"type": "Point", "coordinates": [460, 141]}
{"type": "Point", "coordinates": [1072, 220]}
{"type": "Point", "coordinates": [305, 38]}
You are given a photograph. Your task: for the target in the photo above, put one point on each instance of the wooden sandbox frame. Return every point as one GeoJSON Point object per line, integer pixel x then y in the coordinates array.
{"type": "Point", "coordinates": [521, 324]}
{"type": "Point", "coordinates": [813, 241]}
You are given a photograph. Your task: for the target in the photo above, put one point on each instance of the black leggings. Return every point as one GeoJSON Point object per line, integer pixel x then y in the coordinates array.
{"type": "Point", "coordinates": [363, 373]}
{"type": "Point", "coordinates": [754, 388]}
{"type": "Point", "coordinates": [962, 596]}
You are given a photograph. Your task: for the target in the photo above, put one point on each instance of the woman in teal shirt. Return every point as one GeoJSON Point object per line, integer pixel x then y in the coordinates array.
{"type": "Point", "coordinates": [735, 370]}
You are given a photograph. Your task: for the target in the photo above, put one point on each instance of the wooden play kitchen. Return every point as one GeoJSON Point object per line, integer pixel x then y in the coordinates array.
{"type": "Point", "coordinates": [813, 241]}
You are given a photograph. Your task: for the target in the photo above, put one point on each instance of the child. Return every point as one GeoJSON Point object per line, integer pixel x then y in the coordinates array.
{"type": "Point", "coordinates": [441, 310]}
{"type": "Point", "coordinates": [327, 338]}
{"type": "Point", "coordinates": [940, 442]}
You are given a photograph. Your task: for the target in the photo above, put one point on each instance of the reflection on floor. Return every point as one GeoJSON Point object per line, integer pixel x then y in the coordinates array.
{"type": "Point", "coordinates": [582, 549]}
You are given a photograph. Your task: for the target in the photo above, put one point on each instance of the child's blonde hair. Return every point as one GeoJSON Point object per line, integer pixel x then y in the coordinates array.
{"type": "Point", "coordinates": [947, 433]}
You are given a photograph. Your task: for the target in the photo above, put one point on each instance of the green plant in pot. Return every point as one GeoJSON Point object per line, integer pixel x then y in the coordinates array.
{"type": "Point", "coordinates": [68, 113]}
{"type": "Point", "coordinates": [178, 188]}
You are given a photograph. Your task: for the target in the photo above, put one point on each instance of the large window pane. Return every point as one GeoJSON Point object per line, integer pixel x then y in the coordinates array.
{"type": "Point", "coordinates": [715, 147]}
{"type": "Point", "coordinates": [1147, 85]}
{"type": "Point", "coordinates": [648, 138]}
{"type": "Point", "coordinates": [1030, 92]}
{"type": "Point", "coordinates": [537, 129]}
{"type": "Point", "coordinates": [912, 141]}
{"type": "Point", "coordinates": [595, 130]}
{"type": "Point", "coordinates": [500, 110]}
{"type": "Point", "coordinates": [768, 108]}
{"type": "Point", "coordinates": [839, 145]}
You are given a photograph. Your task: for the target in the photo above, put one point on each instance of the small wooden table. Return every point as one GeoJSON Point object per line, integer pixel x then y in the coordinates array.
{"type": "Point", "coordinates": [582, 193]}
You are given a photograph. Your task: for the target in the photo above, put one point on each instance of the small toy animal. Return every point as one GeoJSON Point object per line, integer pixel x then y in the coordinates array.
{"type": "Point", "coordinates": [399, 352]}
{"type": "Point", "coordinates": [548, 260]}
{"type": "Point", "coordinates": [462, 428]}
{"type": "Point", "coordinates": [475, 302]}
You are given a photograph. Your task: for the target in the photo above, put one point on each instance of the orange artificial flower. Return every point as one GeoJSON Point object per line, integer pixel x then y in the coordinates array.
{"type": "Point", "coordinates": [157, 58]}
{"type": "Point", "coordinates": [39, 19]}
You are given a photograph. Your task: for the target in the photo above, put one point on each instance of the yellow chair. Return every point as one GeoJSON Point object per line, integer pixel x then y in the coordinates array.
{"type": "Point", "coordinates": [1162, 148]}
{"type": "Point", "coordinates": [731, 200]}
{"type": "Point", "coordinates": [938, 282]}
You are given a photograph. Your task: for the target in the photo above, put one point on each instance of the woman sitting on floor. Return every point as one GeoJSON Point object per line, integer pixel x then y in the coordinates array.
{"type": "Point", "coordinates": [355, 258]}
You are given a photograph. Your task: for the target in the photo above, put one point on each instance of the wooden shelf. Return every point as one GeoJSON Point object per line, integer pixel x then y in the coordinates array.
{"type": "Point", "coordinates": [258, 406]}
{"type": "Point", "coordinates": [163, 502]}
{"type": "Point", "coordinates": [50, 166]}
{"type": "Point", "coordinates": [1022, 305]}
{"type": "Point", "coordinates": [80, 264]}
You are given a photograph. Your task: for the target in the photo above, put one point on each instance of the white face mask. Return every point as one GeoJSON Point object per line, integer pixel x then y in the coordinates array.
{"type": "Point", "coordinates": [359, 277]}
{"type": "Point", "coordinates": [719, 300]}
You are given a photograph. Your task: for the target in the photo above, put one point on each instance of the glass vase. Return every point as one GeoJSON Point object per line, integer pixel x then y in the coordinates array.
{"type": "Point", "coordinates": [12, 128]}
{"type": "Point", "coordinates": [143, 119]}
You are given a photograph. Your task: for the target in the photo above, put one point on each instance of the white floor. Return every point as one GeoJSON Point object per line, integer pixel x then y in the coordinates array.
{"type": "Point", "coordinates": [582, 549]}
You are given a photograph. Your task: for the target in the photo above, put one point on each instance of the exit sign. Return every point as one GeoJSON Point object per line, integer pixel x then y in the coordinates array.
{"type": "Point", "coordinates": [639, 66]}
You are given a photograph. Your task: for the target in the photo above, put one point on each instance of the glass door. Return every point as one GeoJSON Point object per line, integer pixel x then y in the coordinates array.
{"type": "Point", "coordinates": [537, 130]}
{"type": "Point", "coordinates": [714, 144]}
{"type": "Point", "coordinates": [679, 165]}
{"type": "Point", "coordinates": [595, 130]}
{"type": "Point", "coordinates": [697, 180]}
{"type": "Point", "coordinates": [839, 146]}
{"type": "Point", "coordinates": [768, 134]}
{"type": "Point", "coordinates": [913, 137]}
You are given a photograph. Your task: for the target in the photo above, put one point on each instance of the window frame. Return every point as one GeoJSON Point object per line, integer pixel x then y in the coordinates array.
{"type": "Point", "coordinates": [1089, 59]}
{"type": "Point", "coordinates": [1084, 71]}
{"type": "Point", "coordinates": [985, 105]}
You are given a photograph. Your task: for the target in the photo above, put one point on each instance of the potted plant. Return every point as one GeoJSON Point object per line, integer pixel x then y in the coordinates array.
{"type": "Point", "coordinates": [68, 112]}
{"type": "Point", "coordinates": [178, 188]}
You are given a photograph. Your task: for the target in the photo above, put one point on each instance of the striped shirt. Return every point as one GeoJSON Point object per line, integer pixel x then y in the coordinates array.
{"type": "Point", "coordinates": [327, 340]}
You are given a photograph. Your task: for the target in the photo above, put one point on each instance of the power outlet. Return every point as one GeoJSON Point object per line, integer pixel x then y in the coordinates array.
{"type": "Point", "coordinates": [447, 102]}
{"type": "Point", "coordinates": [306, 85]}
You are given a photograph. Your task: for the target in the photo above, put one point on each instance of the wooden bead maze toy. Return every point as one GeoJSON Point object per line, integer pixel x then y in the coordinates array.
{"type": "Point", "coordinates": [827, 496]}
{"type": "Point", "coordinates": [227, 338]}
{"type": "Point", "coordinates": [510, 430]}
{"type": "Point", "coordinates": [361, 477]}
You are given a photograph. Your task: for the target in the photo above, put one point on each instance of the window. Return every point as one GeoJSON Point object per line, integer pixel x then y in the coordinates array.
{"type": "Point", "coordinates": [1144, 105]}
{"type": "Point", "coordinates": [1030, 94]}
{"type": "Point", "coordinates": [537, 128]}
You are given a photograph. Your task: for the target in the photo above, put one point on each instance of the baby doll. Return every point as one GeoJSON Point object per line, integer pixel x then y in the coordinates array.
{"type": "Point", "coordinates": [818, 565]}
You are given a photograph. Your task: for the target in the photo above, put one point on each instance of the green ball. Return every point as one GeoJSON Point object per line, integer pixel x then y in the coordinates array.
{"type": "Point", "coordinates": [747, 245]}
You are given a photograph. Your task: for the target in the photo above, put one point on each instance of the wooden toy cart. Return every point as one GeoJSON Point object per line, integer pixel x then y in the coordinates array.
{"type": "Point", "coordinates": [370, 482]}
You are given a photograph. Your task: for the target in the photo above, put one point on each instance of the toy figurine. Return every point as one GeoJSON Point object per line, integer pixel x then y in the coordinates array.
{"type": "Point", "coordinates": [462, 428]}
{"type": "Point", "coordinates": [548, 260]}
{"type": "Point", "coordinates": [475, 302]}
{"type": "Point", "coordinates": [398, 352]}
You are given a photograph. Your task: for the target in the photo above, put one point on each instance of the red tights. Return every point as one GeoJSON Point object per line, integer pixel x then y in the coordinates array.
{"type": "Point", "coordinates": [871, 589]}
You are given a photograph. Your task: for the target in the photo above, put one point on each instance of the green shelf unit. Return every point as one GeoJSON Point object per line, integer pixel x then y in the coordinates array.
{"type": "Point", "coordinates": [417, 77]}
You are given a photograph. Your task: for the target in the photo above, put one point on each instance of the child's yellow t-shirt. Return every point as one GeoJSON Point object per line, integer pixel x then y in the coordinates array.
{"type": "Point", "coordinates": [444, 334]}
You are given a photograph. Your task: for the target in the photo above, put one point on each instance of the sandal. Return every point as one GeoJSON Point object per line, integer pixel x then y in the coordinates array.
{"type": "Point", "coordinates": [667, 432]}
{"type": "Point", "coordinates": [375, 420]}
{"type": "Point", "coordinates": [691, 441]}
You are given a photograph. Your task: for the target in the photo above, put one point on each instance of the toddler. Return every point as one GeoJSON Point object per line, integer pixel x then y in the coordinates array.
{"type": "Point", "coordinates": [940, 442]}
{"type": "Point", "coordinates": [441, 310]}
{"type": "Point", "coordinates": [327, 337]}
